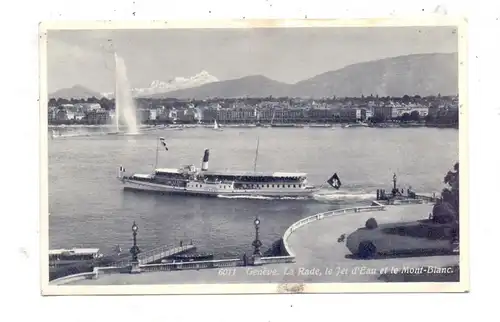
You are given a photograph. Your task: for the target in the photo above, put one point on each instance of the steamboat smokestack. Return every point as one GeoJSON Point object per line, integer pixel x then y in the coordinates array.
{"type": "Point", "coordinates": [204, 164]}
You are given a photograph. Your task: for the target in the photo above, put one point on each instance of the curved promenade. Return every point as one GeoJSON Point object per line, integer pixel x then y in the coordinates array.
{"type": "Point", "coordinates": [315, 245]}
{"type": "Point", "coordinates": [312, 243]}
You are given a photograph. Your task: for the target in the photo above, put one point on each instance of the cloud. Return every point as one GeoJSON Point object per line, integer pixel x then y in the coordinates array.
{"type": "Point", "coordinates": [70, 64]}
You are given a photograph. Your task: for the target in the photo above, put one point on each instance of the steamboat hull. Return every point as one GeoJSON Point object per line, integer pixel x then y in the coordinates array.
{"type": "Point", "coordinates": [132, 185]}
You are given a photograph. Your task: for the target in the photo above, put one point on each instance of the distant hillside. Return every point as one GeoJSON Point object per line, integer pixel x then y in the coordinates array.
{"type": "Point", "coordinates": [422, 74]}
{"type": "Point", "coordinates": [251, 86]}
{"type": "Point", "coordinates": [425, 74]}
{"type": "Point", "coordinates": [76, 92]}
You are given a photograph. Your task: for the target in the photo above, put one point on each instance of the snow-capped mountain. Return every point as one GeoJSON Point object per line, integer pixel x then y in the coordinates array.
{"type": "Point", "coordinates": [176, 83]}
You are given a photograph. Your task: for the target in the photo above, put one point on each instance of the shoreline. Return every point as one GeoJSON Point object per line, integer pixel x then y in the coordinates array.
{"type": "Point", "coordinates": [253, 125]}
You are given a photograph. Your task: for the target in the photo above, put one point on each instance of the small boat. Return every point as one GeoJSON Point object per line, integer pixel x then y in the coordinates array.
{"type": "Point", "coordinates": [319, 125]}
{"type": "Point", "coordinates": [353, 125]}
{"type": "Point", "coordinates": [61, 257]}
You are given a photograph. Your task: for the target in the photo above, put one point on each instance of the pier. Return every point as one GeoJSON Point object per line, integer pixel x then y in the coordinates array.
{"type": "Point", "coordinates": [156, 255]}
{"type": "Point", "coordinates": [398, 196]}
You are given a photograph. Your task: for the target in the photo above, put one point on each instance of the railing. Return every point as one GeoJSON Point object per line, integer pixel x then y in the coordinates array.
{"type": "Point", "coordinates": [408, 201]}
{"type": "Point", "coordinates": [192, 265]}
{"type": "Point", "coordinates": [156, 254]}
{"type": "Point", "coordinates": [108, 270]}
{"type": "Point", "coordinates": [73, 278]}
{"type": "Point", "coordinates": [321, 216]}
{"type": "Point", "coordinates": [427, 198]}
{"type": "Point", "coordinates": [277, 259]}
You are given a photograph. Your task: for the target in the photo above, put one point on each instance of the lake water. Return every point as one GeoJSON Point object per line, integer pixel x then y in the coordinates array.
{"type": "Point", "coordinates": [90, 209]}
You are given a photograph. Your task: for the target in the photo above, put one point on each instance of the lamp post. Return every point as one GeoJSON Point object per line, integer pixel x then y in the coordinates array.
{"type": "Point", "coordinates": [257, 244]}
{"type": "Point", "coordinates": [394, 184]}
{"type": "Point", "coordinates": [135, 251]}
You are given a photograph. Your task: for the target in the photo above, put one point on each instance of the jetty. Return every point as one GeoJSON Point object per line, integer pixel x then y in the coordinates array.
{"type": "Point", "coordinates": [156, 255]}
{"type": "Point", "coordinates": [398, 196]}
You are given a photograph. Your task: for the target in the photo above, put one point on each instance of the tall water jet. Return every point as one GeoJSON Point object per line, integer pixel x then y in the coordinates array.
{"type": "Point", "coordinates": [124, 103]}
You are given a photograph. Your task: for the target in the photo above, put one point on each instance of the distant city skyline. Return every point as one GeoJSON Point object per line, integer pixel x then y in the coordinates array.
{"type": "Point", "coordinates": [288, 55]}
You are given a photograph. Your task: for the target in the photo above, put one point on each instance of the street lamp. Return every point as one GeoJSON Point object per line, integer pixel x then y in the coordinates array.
{"type": "Point", "coordinates": [135, 250]}
{"type": "Point", "coordinates": [394, 185]}
{"type": "Point", "coordinates": [256, 243]}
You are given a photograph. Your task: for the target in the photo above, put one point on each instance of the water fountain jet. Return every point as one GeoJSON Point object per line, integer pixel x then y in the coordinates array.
{"type": "Point", "coordinates": [124, 103]}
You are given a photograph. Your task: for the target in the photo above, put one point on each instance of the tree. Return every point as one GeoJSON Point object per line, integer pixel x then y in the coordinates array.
{"type": "Point", "coordinates": [105, 103]}
{"type": "Point", "coordinates": [377, 118]}
{"type": "Point", "coordinates": [447, 210]}
{"type": "Point", "coordinates": [406, 99]}
{"type": "Point", "coordinates": [415, 116]}
{"type": "Point", "coordinates": [61, 101]}
{"type": "Point", "coordinates": [429, 118]}
{"type": "Point", "coordinates": [52, 102]}
{"type": "Point", "coordinates": [405, 117]}
{"type": "Point", "coordinates": [92, 99]}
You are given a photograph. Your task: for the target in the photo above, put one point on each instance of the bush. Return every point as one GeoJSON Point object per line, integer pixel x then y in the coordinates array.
{"type": "Point", "coordinates": [371, 223]}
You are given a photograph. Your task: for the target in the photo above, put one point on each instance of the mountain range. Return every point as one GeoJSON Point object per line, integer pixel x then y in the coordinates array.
{"type": "Point", "coordinates": [419, 74]}
{"type": "Point", "coordinates": [77, 92]}
{"type": "Point", "coordinates": [176, 83]}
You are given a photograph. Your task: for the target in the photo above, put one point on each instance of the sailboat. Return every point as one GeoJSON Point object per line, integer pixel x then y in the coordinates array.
{"type": "Point", "coordinates": [216, 126]}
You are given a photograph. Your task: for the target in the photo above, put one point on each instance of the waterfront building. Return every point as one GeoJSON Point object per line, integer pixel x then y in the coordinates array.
{"type": "Point", "coordinates": [96, 117]}
{"type": "Point", "coordinates": [384, 111]}
{"type": "Point", "coordinates": [368, 113]}
{"type": "Point", "coordinates": [152, 114]}
{"type": "Point", "coordinates": [186, 115]}
{"type": "Point", "coordinates": [208, 114]}
{"type": "Point", "coordinates": [322, 114]}
{"type": "Point", "coordinates": [85, 107]}
{"type": "Point", "coordinates": [61, 115]}
{"type": "Point", "coordinates": [265, 114]}
{"type": "Point", "coordinates": [238, 115]}
{"type": "Point", "coordinates": [400, 110]}
{"type": "Point", "coordinates": [350, 114]}
{"type": "Point", "coordinates": [51, 114]}
{"type": "Point", "coordinates": [142, 115]}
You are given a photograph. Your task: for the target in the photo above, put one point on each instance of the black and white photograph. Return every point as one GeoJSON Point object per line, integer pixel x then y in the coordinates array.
{"type": "Point", "coordinates": [293, 157]}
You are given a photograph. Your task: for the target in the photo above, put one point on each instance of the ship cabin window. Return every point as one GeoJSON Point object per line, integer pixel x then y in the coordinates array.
{"type": "Point", "coordinates": [288, 186]}
{"type": "Point", "coordinates": [268, 186]}
{"type": "Point", "coordinates": [294, 186]}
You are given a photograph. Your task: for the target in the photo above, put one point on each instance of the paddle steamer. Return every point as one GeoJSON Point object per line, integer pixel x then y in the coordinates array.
{"type": "Point", "coordinates": [190, 180]}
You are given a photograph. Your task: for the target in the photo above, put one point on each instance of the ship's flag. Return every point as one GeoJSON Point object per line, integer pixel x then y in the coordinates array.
{"type": "Point", "coordinates": [334, 181]}
{"type": "Point", "coordinates": [162, 140]}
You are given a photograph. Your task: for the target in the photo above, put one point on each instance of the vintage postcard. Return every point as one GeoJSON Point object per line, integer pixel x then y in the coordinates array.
{"type": "Point", "coordinates": [270, 156]}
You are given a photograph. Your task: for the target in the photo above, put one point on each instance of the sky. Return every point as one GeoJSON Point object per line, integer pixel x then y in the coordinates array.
{"type": "Point", "coordinates": [85, 57]}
